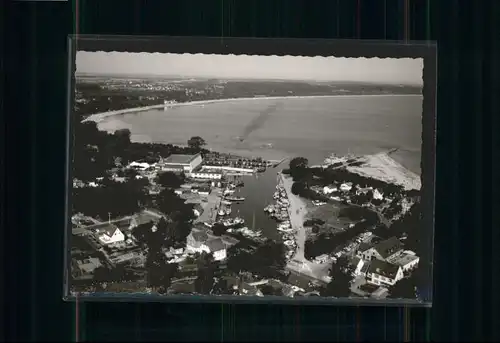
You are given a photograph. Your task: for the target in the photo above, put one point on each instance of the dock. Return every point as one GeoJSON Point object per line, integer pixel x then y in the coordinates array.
{"type": "Point", "coordinates": [211, 207]}
{"type": "Point", "coordinates": [278, 163]}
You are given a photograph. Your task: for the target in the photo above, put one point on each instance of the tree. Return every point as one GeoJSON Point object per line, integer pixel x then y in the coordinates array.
{"type": "Point", "coordinates": [170, 180]}
{"type": "Point", "coordinates": [123, 136]}
{"type": "Point", "coordinates": [298, 188]}
{"type": "Point", "coordinates": [340, 284]}
{"type": "Point", "coordinates": [165, 232]}
{"type": "Point", "coordinates": [403, 289]}
{"type": "Point", "coordinates": [219, 229]}
{"type": "Point", "coordinates": [101, 274]}
{"type": "Point", "coordinates": [196, 142]}
{"type": "Point", "coordinates": [270, 290]}
{"type": "Point", "coordinates": [205, 280]}
{"type": "Point", "coordinates": [159, 271]}
{"type": "Point", "coordinates": [143, 233]}
{"type": "Point", "coordinates": [222, 287]}
{"type": "Point", "coordinates": [298, 162]}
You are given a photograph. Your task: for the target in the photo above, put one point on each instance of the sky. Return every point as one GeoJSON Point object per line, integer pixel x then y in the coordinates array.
{"type": "Point", "coordinates": [406, 71]}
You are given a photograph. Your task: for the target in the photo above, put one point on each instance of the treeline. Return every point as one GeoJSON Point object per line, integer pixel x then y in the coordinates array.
{"type": "Point", "coordinates": [267, 261]}
{"type": "Point", "coordinates": [111, 198]}
{"type": "Point", "coordinates": [409, 226]}
{"type": "Point", "coordinates": [95, 152]}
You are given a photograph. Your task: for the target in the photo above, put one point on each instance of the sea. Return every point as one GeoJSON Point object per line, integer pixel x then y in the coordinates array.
{"type": "Point", "coordinates": [311, 127]}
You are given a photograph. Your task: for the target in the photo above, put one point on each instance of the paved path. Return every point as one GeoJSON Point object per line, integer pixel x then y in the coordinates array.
{"type": "Point", "coordinates": [297, 212]}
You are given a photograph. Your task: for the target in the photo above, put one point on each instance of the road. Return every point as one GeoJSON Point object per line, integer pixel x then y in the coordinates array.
{"type": "Point", "coordinates": [297, 212]}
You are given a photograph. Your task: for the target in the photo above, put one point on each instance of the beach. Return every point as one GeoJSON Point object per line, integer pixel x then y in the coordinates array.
{"type": "Point", "coordinates": [382, 167]}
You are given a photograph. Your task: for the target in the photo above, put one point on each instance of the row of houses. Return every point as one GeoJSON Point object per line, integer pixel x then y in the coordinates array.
{"type": "Point", "coordinates": [384, 263]}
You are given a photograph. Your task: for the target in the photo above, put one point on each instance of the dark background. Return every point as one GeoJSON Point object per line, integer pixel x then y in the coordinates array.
{"type": "Point", "coordinates": [33, 187]}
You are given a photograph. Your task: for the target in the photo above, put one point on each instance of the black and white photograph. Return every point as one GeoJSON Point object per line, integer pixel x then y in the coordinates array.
{"type": "Point", "coordinates": [247, 176]}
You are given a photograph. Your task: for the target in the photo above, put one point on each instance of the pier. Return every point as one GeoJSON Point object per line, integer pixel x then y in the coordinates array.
{"type": "Point", "coordinates": [211, 207]}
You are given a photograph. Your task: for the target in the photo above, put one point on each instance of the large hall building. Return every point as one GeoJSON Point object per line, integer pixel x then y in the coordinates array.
{"type": "Point", "coordinates": [182, 163]}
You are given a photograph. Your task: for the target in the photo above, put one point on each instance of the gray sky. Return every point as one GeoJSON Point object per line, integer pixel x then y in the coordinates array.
{"type": "Point", "coordinates": [377, 70]}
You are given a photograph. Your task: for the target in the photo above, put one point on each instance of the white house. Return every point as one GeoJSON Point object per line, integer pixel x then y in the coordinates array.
{"type": "Point", "coordinates": [111, 234]}
{"type": "Point", "coordinates": [188, 162]}
{"type": "Point", "coordinates": [345, 187]}
{"type": "Point", "coordinates": [329, 190]}
{"type": "Point", "coordinates": [377, 195]}
{"type": "Point", "coordinates": [384, 273]}
{"type": "Point", "coordinates": [139, 165]}
{"type": "Point", "coordinates": [198, 241]}
{"type": "Point", "coordinates": [217, 248]}
{"type": "Point", "coordinates": [195, 241]}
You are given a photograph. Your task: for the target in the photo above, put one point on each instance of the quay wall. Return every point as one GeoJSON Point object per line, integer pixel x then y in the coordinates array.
{"type": "Point", "coordinates": [233, 169]}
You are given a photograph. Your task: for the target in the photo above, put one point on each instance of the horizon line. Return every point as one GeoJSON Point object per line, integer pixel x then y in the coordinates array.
{"type": "Point", "coordinates": [77, 74]}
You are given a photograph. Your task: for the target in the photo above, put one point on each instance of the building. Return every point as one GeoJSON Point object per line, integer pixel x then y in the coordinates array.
{"type": "Point", "coordinates": [174, 168]}
{"type": "Point", "coordinates": [209, 175]}
{"type": "Point", "coordinates": [217, 248]}
{"type": "Point", "coordinates": [111, 234]}
{"type": "Point", "coordinates": [358, 264]}
{"type": "Point", "coordinates": [381, 251]}
{"type": "Point", "coordinates": [88, 265]}
{"type": "Point", "coordinates": [197, 209]}
{"type": "Point", "coordinates": [188, 162]}
{"type": "Point", "coordinates": [406, 260]}
{"type": "Point", "coordinates": [195, 241]}
{"type": "Point", "coordinates": [345, 187]}
{"type": "Point", "coordinates": [329, 190]}
{"type": "Point", "coordinates": [199, 241]}
{"type": "Point", "coordinates": [140, 165]}
{"type": "Point", "coordinates": [384, 273]}
{"type": "Point", "coordinates": [204, 190]}
{"type": "Point", "coordinates": [377, 195]}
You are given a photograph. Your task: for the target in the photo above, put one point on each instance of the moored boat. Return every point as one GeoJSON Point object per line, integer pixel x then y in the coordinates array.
{"type": "Point", "coordinates": [234, 198]}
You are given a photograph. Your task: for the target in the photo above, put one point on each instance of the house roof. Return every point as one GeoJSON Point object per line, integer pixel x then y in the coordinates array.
{"type": "Point", "coordinates": [383, 268]}
{"type": "Point", "coordinates": [180, 159]}
{"type": "Point", "coordinates": [388, 247]}
{"type": "Point", "coordinates": [174, 166]}
{"type": "Point", "coordinates": [366, 266]}
{"type": "Point", "coordinates": [199, 236]}
{"type": "Point", "coordinates": [355, 261]}
{"type": "Point", "coordinates": [108, 230]}
{"type": "Point", "coordinates": [364, 246]}
{"type": "Point", "coordinates": [404, 259]}
{"type": "Point", "coordinates": [215, 245]}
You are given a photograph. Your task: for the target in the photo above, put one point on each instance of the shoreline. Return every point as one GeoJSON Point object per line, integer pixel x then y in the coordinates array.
{"type": "Point", "coordinates": [102, 115]}
{"type": "Point", "coordinates": [383, 167]}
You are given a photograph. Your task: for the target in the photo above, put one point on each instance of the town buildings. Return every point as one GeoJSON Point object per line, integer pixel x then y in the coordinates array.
{"type": "Point", "coordinates": [384, 263]}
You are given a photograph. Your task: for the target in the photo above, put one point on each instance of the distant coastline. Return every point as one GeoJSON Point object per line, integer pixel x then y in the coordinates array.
{"type": "Point", "coordinates": [97, 117]}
